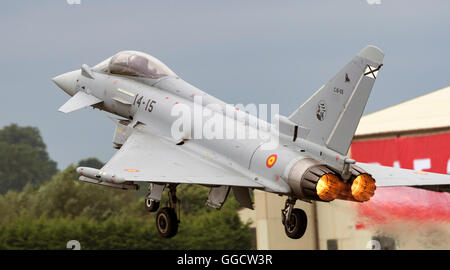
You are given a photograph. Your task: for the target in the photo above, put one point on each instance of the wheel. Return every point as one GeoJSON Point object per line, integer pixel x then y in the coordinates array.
{"type": "Point", "coordinates": [150, 204]}
{"type": "Point", "coordinates": [167, 222]}
{"type": "Point", "coordinates": [296, 228]}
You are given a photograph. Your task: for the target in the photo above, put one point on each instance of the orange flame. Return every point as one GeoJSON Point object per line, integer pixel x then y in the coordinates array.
{"type": "Point", "coordinates": [328, 187]}
{"type": "Point", "coordinates": [363, 187]}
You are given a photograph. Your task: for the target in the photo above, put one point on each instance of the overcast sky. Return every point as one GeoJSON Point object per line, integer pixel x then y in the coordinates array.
{"type": "Point", "coordinates": [239, 51]}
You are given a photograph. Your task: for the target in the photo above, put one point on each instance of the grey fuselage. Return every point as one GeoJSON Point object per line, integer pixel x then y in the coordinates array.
{"type": "Point", "coordinates": [150, 102]}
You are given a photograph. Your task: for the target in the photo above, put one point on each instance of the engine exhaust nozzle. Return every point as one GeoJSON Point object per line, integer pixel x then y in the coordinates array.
{"type": "Point", "coordinates": [363, 187]}
{"type": "Point", "coordinates": [328, 187]}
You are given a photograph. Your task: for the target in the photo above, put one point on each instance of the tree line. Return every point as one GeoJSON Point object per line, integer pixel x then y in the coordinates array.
{"type": "Point", "coordinates": [42, 208]}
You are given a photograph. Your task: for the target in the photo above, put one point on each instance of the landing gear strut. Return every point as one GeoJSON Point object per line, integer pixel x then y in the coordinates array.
{"type": "Point", "coordinates": [293, 219]}
{"type": "Point", "coordinates": [166, 218]}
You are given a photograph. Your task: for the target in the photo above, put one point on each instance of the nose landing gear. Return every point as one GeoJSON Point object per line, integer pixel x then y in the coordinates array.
{"type": "Point", "coordinates": [293, 219]}
{"type": "Point", "coordinates": [150, 204]}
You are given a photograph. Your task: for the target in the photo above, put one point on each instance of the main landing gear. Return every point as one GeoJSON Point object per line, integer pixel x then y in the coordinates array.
{"type": "Point", "coordinates": [293, 219]}
{"type": "Point", "coordinates": [166, 218]}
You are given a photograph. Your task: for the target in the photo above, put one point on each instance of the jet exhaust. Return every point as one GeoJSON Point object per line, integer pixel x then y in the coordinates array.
{"type": "Point", "coordinates": [309, 179]}
{"type": "Point", "coordinates": [328, 187]}
{"type": "Point", "coordinates": [363, 187]}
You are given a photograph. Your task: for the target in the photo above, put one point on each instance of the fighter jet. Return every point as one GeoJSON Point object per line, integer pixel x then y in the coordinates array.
{"type": "Point", "coordinates": [309, 162]}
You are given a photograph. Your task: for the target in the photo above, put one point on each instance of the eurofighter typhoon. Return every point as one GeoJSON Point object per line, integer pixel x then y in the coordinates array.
{"type": "Point", "coordinates": [170, 133]}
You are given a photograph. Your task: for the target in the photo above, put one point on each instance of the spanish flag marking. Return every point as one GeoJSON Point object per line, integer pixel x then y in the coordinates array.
{"type": "Point", "coordinates": [271, 160]}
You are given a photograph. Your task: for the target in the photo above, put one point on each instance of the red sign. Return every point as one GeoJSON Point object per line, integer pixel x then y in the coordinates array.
{"type": "Point", "coordinates": [429, 153]}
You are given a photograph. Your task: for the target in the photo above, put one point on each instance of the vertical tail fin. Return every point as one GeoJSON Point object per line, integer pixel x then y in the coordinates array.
{"type": "Point", "coordinates": [333, 112]}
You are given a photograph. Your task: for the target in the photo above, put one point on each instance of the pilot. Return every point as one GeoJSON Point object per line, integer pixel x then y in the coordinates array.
{"type": "Point", "coordinates": [140, 65]}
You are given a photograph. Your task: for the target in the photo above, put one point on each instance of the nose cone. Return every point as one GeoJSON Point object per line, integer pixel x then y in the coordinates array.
{"type": "Point", "coordinates": [67, 81]}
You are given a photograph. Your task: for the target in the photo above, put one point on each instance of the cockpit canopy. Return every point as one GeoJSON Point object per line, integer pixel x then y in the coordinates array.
{"type": "Point", "coordinates": [133, 63]}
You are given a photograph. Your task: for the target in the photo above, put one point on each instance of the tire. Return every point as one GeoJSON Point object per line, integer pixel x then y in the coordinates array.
{"type": "Point", "coordinates": [151, 205]}
{"type": "Point", "coordinates": [167, 222]}
{"type": "Point", "coordinates": [297, 227]}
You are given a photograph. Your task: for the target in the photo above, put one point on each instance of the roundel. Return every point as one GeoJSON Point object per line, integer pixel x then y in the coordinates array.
{"type": "Point", "coordinates": [271, 160]}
